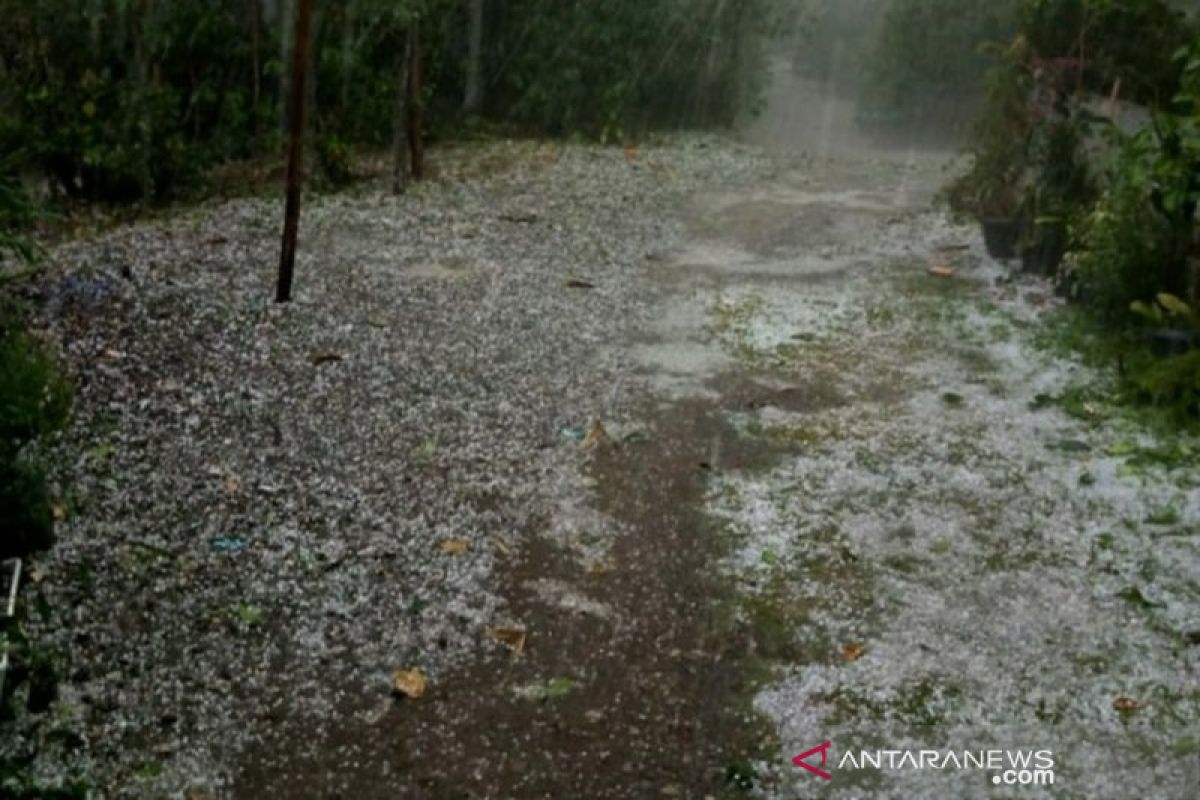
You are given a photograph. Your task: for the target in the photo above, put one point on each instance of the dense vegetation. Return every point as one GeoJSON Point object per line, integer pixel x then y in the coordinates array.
{"type": "Point", "coordinates": [929, 58]}
{"type": "Point", "coordinates": [1090, 147]}
{"type": "Point", "coordinates": [128, 99]}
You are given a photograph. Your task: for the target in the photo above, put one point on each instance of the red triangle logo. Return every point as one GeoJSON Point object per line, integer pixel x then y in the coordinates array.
{"type": "Point", "coordinates": [802, 760]}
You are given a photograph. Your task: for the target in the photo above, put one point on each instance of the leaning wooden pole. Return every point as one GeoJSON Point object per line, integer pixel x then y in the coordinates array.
{"type": "Point", "coordinates": [295, 168]}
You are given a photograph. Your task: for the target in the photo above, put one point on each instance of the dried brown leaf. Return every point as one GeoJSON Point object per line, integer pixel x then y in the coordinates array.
{"type": "Point", "coordinates": [454, 547]}
{"type": "Point", "coordinates": [853, 652]}
{"type": "Point", "coordinates": [514, 638]}
{"type": "Point", "coordinates": [411, 683]}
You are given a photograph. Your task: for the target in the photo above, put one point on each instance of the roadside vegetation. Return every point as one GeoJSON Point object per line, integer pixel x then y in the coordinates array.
{"type": "Point", "coordinates": [118, 101]}
{"type": "Point", "coordinates": [1085, 165]}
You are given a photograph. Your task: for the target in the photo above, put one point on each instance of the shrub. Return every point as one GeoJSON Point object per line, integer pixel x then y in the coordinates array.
{"type": "Point", "coordinates": [1131, 41]}
{"type": "Point", "coordinates": [1126, 253]}
{"type": "Point", "coordinates": [16, 212]}
{"type": "Point", "coordinates": [34, 400]}
{"type": "Point", "coordinates": [1140, 241]}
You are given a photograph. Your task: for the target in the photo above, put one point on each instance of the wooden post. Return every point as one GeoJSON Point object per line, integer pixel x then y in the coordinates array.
{"type": "Point", "coordinates": [291, 220]}
{"type": "Point", "coordinates": [415, 104]}
{"type": "Point", "coordinates": [400, 134]}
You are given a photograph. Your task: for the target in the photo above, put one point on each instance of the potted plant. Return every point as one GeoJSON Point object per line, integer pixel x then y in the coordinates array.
{"type": "Point", "coordinates": [994, 188]}
{"type": "Point", "coordinates": [1044, 245]}
{"type": "Point", "coordinates": [991, 192]}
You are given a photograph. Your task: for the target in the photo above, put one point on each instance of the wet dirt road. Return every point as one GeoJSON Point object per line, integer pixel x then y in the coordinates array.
{"type": "Point", "coordinates": [842, 513]}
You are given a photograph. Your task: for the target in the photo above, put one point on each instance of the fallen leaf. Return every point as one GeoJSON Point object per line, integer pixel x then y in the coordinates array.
{"type": "Point", "coordinates": [321, 359]}
{"type": "Point", "coordinates": [942, 271]}
{"type": "Point", "coordinates": [578, 283]}
{"type": "Point", "coordinates": [231, 485]}
{"type": "Point", "coordinates": [250, 616]}
{"type": "Point", "coordinates": [411, 683]}
{"type": "Point", "coordinates": [514, 638]}
{"type": "Point", "coordinates": [631, 153]}
{"type": "Point", "coordinates": [1126, 705]}
{"type": "Point", "coordinates": [454, 547]}
{"type": "Point", "coordinates": [853, 652]}
{"type": "Point", "coordinates": [59, 512]}
{"type": "Point", "coordinates": [553, 689]}
{"type": "Point", "coordinates": [596, 436]}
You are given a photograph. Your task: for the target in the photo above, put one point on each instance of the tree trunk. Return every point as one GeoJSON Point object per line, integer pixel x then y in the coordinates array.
{"type": "Point", "coordinates": [255, 73]}
{"type": "Point", "coordinates": [414, 103]}
{"type": "Point", "coordinates": [291, 220]}
{"type": "Point", "coordinates": [473, 100]}
{"type": "Point", "coordinates": [287, 23]}
{"type": "Point", "coordinates": [400, 121]}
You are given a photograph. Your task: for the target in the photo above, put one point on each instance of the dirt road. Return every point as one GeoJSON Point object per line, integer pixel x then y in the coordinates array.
{"type": "Point", "coordinates": [831, 495]}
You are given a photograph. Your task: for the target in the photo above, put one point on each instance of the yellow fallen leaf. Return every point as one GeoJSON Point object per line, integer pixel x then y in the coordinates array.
{"type": "Point", "coordinates": [514, 638]}
{"type": "Point", "coordinates": [454, 547]}
{"type": "Point", "coordinates": [411, 683]}
{"type": "Point", "coordinates": [853, 652]}
{"type": "Point", "coordinates": [596, 436]}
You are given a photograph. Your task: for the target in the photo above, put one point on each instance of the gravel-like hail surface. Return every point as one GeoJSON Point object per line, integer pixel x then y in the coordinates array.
{"type": "Point", "coordinates": [270, 509]}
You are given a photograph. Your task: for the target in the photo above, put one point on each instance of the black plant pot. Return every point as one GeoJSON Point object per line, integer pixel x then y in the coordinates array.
{"type": "Point", "coordinates": [1001, 235]}
{"type": "Point", "coordinates": [1045, 252]}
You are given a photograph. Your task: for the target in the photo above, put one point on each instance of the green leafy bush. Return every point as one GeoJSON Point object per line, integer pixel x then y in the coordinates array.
{"type": "Point", "coordinates": [1126, 252]}
{"type": "Point", "coordinates": [1140, 240]}
{"type": "Point", "coordinates": [34, 401]}
{"type": "Point", "coordinates": [16, 213]}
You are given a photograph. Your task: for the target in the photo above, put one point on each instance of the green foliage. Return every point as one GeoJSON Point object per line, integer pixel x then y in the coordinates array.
{"type": "Point", "coordinates": [930, 57]}
{"type": "Point", "coordinates": [1133, 226]}
{"type": "Point", "coordinates": [121, 100]}
{"type": "Point", "coordinates": [34, 401]}
{"type": "Point", "coordinates": [604, 68]}
{"type": "Point", "coordinates": [1139, 241]}
{"type": "Point", "coordinates": [16, 213]}
{"type": "Point", "coordinates": [1131, 41]}
{"type": "Point", "coordinates": [333, 160]}
{"type": "Point", "coordinates": [1172, 382]}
